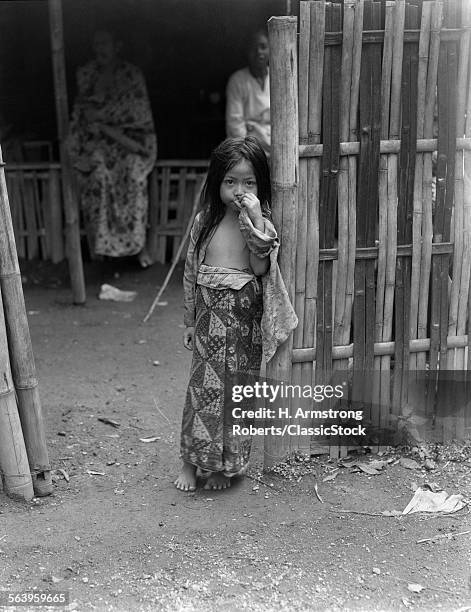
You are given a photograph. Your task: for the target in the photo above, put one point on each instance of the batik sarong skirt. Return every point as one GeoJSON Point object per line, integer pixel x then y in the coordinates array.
{"type": "Point", "coordinates": [227, 351]}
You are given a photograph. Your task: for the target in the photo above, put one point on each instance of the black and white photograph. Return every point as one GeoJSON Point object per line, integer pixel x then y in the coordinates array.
{"type": "Point", "coordinates": [235, 305]}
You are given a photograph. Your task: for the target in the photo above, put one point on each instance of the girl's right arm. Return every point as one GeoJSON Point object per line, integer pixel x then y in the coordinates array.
{"type": "Point", "coordinates": [189, 275]}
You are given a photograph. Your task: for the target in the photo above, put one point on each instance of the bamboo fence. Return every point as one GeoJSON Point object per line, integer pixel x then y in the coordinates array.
{"type": "Point", "coordinates": [37, 207]}
{"type": "Point", "coordinates": [381, 271]}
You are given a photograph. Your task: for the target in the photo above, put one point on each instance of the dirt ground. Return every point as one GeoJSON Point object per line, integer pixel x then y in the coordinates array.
{"type": "Point", "coordinates": [118, 536]}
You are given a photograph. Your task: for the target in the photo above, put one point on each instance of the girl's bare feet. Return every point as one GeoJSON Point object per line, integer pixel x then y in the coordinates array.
{"type": "Point", "coordinates": [217, 481]}
{"type": "Point", "coordinates": [187, 479]}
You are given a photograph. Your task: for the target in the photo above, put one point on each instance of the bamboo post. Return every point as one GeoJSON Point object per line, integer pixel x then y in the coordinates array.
{"type": "Point", "coordinates": [56, 238]}
{"type": "Point", "coordinates": [20, 349]}
{"type": "Point", "coordinates": [284, 160]}
{"type": "Point", "coordinates": [14, 467]}
{"type": "Point", "coordinates": [71, 212]}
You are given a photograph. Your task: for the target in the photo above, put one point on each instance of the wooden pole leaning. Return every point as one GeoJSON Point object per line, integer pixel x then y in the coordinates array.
{"type": "Point", "coordinates": [284, 166]}
{"type": "Point", "coordinates": [20, 350]}
{"type": "Point", "coordinates": [71, 213]}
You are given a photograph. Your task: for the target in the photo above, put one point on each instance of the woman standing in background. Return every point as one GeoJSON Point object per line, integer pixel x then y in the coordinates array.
{"type": "Point", "coordinates": [113, 147]}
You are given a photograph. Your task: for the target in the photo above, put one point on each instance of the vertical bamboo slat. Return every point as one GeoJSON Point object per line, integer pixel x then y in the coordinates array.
{"type": "Point", "coordinates": [386, 71]}
{"type": "Point", "coordinates": [327, 102]}
{"type": "Point", "coordinates": [444, 191]}
{"type": "Point", "coordinates": [344, 236]}
{"type": "Point", "coordinates": [153, 236]}
{"type": "Point", "coordinates": [391, 249]}
{"type": "Point", "coordinates": [464, 314]}
{"type": "Point", "coordinates": [391, 222]}
{"type": "Point", "coordinates": [316, 75]}
{"type": "Point", "coordinates": [407, 158]}
{"type": "Point", "coordinates": [20, 349]}
{"type": "Point", "coordinates": [460, 280]}
{"type": "Point", "coordinates": [352, 168]}
{"type": "Point", "coordinates": [301, 374]}
{"type": "Point", "coordinates": [16, 213]}
{"type": "Point", "coordinates": [71, 213]}
{"type": "Point", "coordinates": [418, 213]}
{"type": "Point", "coordinates": [331, 267]}
{"type": "Point", "coordinates": [343, 182]}
{"type": "Point", "coordinates": [180, 212]}
{"type": "Point", "coordinates": [57, 240]}
{"type": "Point", "coordinates": [163, 212]}
{"type": "Point", "coordinates": [284, 160]}
{"type": "Point", "coordinates": [367, 198]}
{"type": "Point", "coordinates": [29, 215]}
{"type": "Point", "coordinates": [427, 231]}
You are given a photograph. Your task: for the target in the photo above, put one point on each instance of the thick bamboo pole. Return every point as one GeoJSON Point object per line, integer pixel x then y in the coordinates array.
{"type": "Point", "coordinates": [20, 349]}
{"type": "Point", "coordinates": [71, 213]}
{"type": "Point", "coordinates": [14, 466]}
{"type": "Point", "coordinates": [284, 160]}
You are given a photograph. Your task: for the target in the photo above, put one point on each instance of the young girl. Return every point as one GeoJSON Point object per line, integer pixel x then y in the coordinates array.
{"type": "Point", "coordinates": [231, 244]}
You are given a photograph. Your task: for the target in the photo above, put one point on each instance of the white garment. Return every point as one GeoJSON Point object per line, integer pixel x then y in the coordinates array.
{"type": "Point", "coordinates": [247, 101]}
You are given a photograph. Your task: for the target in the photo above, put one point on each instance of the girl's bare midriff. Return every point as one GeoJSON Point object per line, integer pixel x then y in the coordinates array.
{"type": "Point", "coordinates": [227, 248]}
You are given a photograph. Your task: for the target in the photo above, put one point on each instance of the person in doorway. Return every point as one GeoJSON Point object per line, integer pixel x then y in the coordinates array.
{"type": "Point", "coordinates": [236, 305]}
{"type": "Point", "coordinates": [248, 95]}
{"type": "Point", "coordinates": [113, 148]}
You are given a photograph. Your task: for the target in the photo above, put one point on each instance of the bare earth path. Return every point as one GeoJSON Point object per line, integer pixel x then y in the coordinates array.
{"type": "Point", "coordinates": [123, 538]}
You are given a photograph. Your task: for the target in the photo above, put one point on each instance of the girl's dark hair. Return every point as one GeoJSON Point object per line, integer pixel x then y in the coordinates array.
{"type": "Point", "coordinates": [224, 157]}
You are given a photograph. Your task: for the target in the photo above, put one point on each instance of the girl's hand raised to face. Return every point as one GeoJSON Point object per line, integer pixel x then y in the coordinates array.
{"type": "Point", "coordinates": [251, 203]}
{"type": "Point", "coordinates": [188, 336]}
